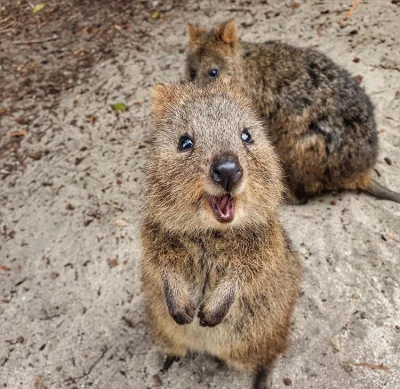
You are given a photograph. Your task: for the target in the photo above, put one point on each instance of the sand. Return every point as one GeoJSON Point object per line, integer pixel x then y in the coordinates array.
{"type": "Point", "coordinates": [71, 310]}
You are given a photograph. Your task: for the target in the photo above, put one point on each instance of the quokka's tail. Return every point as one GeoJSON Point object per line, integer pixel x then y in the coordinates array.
{"type": "Point", "coordinates": [376, 189]}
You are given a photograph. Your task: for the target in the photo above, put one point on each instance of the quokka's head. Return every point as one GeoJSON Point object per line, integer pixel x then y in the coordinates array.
{"type": "Point", "coordinates": [210, 165]}
{"type": "Point", "coordinates": [213, 52]}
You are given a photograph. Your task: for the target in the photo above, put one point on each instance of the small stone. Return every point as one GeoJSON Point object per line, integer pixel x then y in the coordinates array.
{"type": "Point", "coordinates": [287, 381]}
{"type": "Point", "coordinates": [156, 381]}
{"type": "Point", "coordinates": [356, 59]}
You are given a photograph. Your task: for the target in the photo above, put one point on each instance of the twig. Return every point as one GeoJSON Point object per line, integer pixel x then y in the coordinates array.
{"type": "Point", "coordinates": [373, 366]}
{"type": "Point", "coordinates": [85, 374]}
{"type": "Point", "coordinates": [7, 27]}
{"type": "Point", "coordinates": [7, 30]}
{"type": "Point", "coordinates": [5, 20]}
{"type": "Point", "coordinates": [350, 11]}
{"type": "Point", "coordinates": [393, 237]}
{"type": "Point", "coordinates": [53, 38]}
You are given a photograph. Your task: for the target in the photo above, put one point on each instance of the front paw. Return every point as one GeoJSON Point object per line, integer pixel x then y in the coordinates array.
{"type": "Point", "coordinates": [211, 317]}
{"type": "Point", "coordinates": [183, 314]}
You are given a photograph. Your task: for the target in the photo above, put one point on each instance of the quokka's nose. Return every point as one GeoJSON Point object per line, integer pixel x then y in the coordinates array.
{"type": "Point", "coordinates": [226, 171]}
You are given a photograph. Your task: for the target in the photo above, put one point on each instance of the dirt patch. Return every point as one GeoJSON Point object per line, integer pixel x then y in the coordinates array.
{"type": "Point", "coordinates": [46, 53]}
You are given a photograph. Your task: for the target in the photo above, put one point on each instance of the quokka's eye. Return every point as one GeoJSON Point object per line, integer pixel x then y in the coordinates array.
{"type": "Point", "coordinates": [213, 73]}
{"type": "Point", "coordinates": [185, 143]}
{"type": "Point", "coordinates": [192, 74]}
{"type": "Point", "coordinates": [246, 137]}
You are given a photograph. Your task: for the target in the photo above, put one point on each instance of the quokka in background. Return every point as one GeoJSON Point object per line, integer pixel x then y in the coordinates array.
{"type": "Point", "coordinates": [319, 119]}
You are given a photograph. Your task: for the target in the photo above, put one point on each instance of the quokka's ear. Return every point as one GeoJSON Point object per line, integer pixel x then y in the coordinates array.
{"type": "Point", "coordinates": [163, 95]}
{"type": "Point", "coordinates": [227, 32]}
{"type": "Point", "coordinates": [195, 34]}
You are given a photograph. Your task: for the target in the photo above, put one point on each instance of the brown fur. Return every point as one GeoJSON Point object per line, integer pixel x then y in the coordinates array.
{"type": "Point", "coordinates": [226, 289]}
{"type": "Point", "coordinates": [320, 121]}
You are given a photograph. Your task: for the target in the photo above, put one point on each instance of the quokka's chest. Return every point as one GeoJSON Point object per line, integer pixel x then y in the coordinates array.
{"type": "Point", "coordinates": [206, 266]}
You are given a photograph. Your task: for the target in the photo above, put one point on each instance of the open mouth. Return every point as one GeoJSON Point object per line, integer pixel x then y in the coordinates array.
{"type": "Point", "coordinates": [223, 207]}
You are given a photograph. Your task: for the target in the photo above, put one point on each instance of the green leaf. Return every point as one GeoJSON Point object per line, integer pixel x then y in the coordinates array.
{"type": "Point", "coordinates": [118, 107]}
{"type": "Point", "coordinates": [38, 7]}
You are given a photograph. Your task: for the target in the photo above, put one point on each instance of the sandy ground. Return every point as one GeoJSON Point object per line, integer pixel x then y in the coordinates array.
{"type": "Point", "coordinates": [71, 311]}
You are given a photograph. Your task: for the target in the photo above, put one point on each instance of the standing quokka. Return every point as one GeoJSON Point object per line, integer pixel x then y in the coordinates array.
{"type": "Point", "coordinates": [320, 121]}
{"type": "Point", "coordinates": [218, 273]}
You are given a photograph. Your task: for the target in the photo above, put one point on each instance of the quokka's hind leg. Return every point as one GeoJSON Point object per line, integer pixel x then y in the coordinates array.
{"type": "Point", "coordinates": [291, 199]}
{"type": "Point", "coordinates": [168, 362]}
{"type": "Point", "coordinates": [263, 379]}
{"type": "Point", "coordinates": [173, 354]}
{"type": "Point", "coordinates": [220, 363]}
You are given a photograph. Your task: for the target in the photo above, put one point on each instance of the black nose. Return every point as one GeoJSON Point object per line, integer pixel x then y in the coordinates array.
{"type": "Point", "coordinates": [227, 172]}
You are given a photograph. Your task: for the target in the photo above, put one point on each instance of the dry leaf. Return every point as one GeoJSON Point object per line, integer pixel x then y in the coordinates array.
{"type": "Point", "coordinates": [20, 120]}
{"type": "Point", "coordinates": [121, 223]}
{"type": "Point", "coordinates": [36, 155]}
{"type": "Point", "coordinates": [18, 134]}
{"type": "Point", "coordinates": [155, 15]}
{"type": "Point", "coordinates": [118, 107]}
{"type": "Point", "coordinates": [32, 65]}
{"type": "Point", "coordinates": [81, 51]}
{"type": "Point", "coordinates": [38, 7]}
{"type": "Point", "coordinates": [4, 268]}
{"type": "Point", "coordinates": [114, 205]}
{"type": "Point", "coordinates": [335, 343]}
{"type": "Point", "coordinates": [166, 15]}
{"type": "Point", "coordinates": [112, 263]}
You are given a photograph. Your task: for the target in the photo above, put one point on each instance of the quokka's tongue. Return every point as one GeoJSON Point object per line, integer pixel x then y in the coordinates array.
{"type": "Point", "coordinates": [223, 208]}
